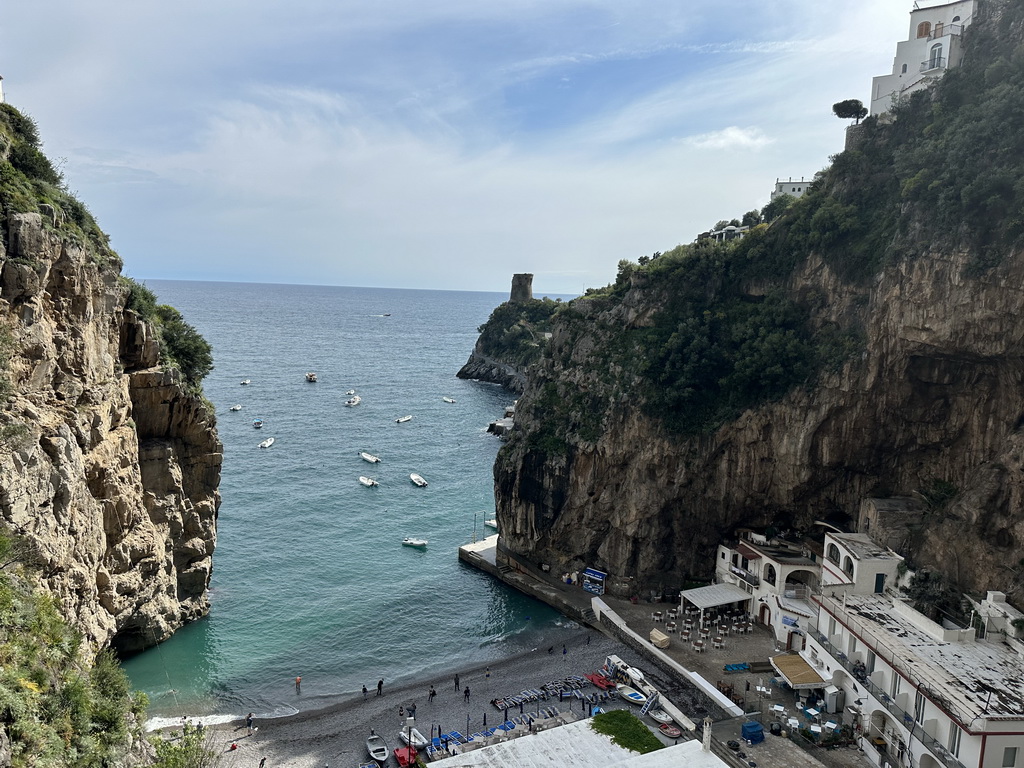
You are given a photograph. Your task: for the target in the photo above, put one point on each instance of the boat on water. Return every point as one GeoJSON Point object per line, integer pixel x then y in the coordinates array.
{"type": "Point", "coordinates": [246, 382]}
{"type": "Point", "coordinates": [660, 715]}
{"type": "Point", "coordinates": [630, 694]}
{"type": "Point", "coordinates": [412, 541]}
{"type": "Point", "coordinates": [257, 423]}
{"type": "Point", "coordinates": [369, 457]}
{"type": "Point", "coordinates": [413, 738]}
{"type": "Point", "coordinates": [235, 407]}
{"type": "Point", "coordinates": [448, 399]}
{"type": "Point", "coordinates": [369, 482]}
{"type": "Point", "coordinates": [267, 443]}
{"type": "Point", "coordinates": [403, 419]}
{"type": "Point", "coordinates": [354, 400]}
{"type": "Point", "coordinates": [491, 524]}
{"type": "Point", "coordinates": [377, 748]}
{"type": "Point", "coordinates": [350, 392]}
{"type": "Point", "coordinates": [311, 377]}
{"type": "Point", "coordinates": [418, 480]}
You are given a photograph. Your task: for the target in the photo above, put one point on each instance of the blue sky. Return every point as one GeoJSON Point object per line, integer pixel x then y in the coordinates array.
{"type": "Point", "coordinates": [434, 145]}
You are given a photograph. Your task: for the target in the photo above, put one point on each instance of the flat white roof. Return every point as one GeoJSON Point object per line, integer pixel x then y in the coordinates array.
{"type": "Point", "coordinates": [863, 547]}
{"type": "Point", "coordinates": [715, 595]}
{"type": "Point", "coordinates": [577, 745]}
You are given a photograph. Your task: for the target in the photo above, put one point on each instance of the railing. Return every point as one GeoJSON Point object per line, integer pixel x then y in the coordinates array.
{"type": "Point", "coordinates": [744, 574]}
{"type": "Point", "coordinates": [939, 62]}
{"type": "Point", "coordinates": [901, 715]}
{"type": "Point", "coordinates": [949, 29]}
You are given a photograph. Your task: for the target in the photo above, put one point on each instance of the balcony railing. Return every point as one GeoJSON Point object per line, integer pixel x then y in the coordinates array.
{"type": "Point", "coordinates": [939, 62]}
{"type": "Point", "coordinates": [901, 715]}
{"type": "Point", "coordinates": [948, 29]}
{"type": "Point", "coordinates": [746, 575]}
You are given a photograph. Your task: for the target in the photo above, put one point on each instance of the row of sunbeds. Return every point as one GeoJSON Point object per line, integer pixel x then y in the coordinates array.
{"type": "Point", "coordinates": [448, 743]}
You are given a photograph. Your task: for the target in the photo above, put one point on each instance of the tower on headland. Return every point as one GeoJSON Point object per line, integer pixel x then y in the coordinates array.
{"type": "Point", "coordinates": [522, 288]}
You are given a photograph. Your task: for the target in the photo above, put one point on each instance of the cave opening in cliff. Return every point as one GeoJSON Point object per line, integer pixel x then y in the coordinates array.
{"type": "Point", "coordinates": [129, 641]}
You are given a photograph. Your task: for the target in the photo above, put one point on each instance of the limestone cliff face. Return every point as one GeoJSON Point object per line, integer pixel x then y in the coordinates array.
{"type": "Point", "coordinates": [936, 395]}
{"type": "Point", "coordinates": [484, 367]}
{"type": "Point", "coordinates": [113, 467]}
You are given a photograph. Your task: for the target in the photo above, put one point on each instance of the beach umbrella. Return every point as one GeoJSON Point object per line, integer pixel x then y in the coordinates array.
{"type": "Point", "coordinates": [485, 719]}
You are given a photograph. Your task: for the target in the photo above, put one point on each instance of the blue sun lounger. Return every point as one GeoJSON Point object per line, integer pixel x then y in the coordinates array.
{"type": "Point", "coordinates": [736, 667]}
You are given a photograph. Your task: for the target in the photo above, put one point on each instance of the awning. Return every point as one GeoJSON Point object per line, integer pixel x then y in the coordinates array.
{"type": "Point", "coordinates": [797, 672]}
{"type": "Point", "coordinates": [715, 595]}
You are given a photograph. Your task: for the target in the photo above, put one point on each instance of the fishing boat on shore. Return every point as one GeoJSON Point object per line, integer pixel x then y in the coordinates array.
{"type": "Point", "coordinates": [369, 457]}
{"type": "Point", "coordinates": [377, 748]}
{"type": "Point", "coordinates": [311, 377]}
{"type": "Point", "coordinates": [630, 694]}
{"type": "Point", "coordinates": [411, 541]}
{"type": "Point", "coordinates": [659, 715]}
{"type": "Point", "coordinates": [418, 480]}
{"type": "Point", "coordinates": [403, 419]}
{"type": "Point", "coordinates": [369, 482]}
{"type": "Point", "coordinates": [236, 407]}
{"type": "Point", "coordinates": [267, 443]}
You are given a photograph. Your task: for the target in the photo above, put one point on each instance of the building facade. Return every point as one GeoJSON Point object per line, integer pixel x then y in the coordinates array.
{"type": "Point", "coordinates": [933, 46]}
{"type": "Point", "coordinates": [791, 187]}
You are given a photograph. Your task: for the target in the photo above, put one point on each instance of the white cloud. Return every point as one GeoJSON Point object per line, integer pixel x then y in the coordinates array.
{"type": "Point", "coordinates": [731, 137]}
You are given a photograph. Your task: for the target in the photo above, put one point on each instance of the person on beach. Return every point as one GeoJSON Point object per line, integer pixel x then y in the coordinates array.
{"type": "Point", "coordinates": [456, 681]}
{"type": "Point", "coordinates": [564, 650]}
{"type": "Point", "coordinates": [365, 691]}
{"type": "Point", "coordinates": [465, 695]}
{"type": "Point", "coordinates": [248, 722]}
{"type": "Point", "coordinates": [487, 672]}
{"type": "Point", "coordinates": [401, 711]}
{"type": "Point", "coordinates": [411, 709]}
{"type": "Point", "coordinates": [298, 685]}
{"type": "Point", "coordinates": [380, 687]}
{"type": "Point", "coordinates": [263, 762]}
{"type": "Point", "coordinates": [431, 694]}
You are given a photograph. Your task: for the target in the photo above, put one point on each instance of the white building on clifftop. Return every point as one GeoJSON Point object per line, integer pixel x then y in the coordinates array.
{"type": "Point", "coordinates": [933, 46]}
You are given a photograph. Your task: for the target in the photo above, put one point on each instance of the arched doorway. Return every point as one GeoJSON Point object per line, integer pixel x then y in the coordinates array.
{"type": "Point", "coordinates": [764, 615]}
{"type": "Point", "coordinates": [884, 735]}
{"type": "Point", "coordinates": [927, 761]}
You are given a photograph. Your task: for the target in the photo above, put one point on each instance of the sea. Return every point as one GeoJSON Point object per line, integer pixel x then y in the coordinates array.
{"type": "Point", "coordinates": [310, 578]}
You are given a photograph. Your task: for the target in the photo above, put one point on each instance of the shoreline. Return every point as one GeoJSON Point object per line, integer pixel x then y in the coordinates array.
{"type": "Point", "coordinates": [335, 735]}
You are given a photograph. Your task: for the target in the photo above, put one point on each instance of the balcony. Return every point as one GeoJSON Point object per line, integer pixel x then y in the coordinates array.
{"type": "Point", "coordinates": [901, 716]}
{"type": "Point", "coordinates": [939, 62]}
{"type": "Point", "coordinates": [949, 29]}
{"type": "Point", "coordinates": [744, 574]}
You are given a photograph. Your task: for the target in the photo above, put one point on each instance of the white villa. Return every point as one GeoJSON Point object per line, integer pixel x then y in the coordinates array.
{"type": "Point", "coordinates": [792, 187]}
{"type": "Point", "coordinates": [920, 693]}
{"type": "Point", "coordinates": [932, 47]}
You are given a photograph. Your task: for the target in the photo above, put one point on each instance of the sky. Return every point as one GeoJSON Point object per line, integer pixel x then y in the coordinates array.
{"type": "Point", "coordinates": [444, 144]}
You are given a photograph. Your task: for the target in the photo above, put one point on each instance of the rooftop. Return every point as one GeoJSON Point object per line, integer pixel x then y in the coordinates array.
{"type": "Point", "coordinates": [971, 679]}
{"type": "Point", "coordinates": [862, 547]}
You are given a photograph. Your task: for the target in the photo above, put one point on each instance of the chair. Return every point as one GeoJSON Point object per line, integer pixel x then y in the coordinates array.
{"type": "Point", "coordinates": [671, 626]}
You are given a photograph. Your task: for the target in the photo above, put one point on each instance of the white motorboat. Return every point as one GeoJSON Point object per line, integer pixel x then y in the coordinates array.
{"type": "Point", "coordinates": [448, 399]}
{"type": "Point", "coordinates": [659, 715]}
{"type": "Point", "coordinates": [257, 423]}
{"type": "Point", "coordinates": [411, 541]}
{"type": "Point", "coordinates": [630, 694]}
{"type": "Point", "coordinates": [369, 482]}
{"type": "Point", "coordinates": [413, 738]}
{"type": "Point", "coordinates": [246, 382]}
{"type": "Point", "coordinates": [369, 457]}
{"type": "Point", "coordinates": [311, 377]}
{"type": "Point", "coordinates": [235, 407]}
{"type": "Point", "coordinates": [418, 480]}
{"type": "Point", "coordinates": [377, 748]}
{"type": "Point", "coordinates": [350, 392]}
{"type": "Point", "coordinates": [267, 443]}
{"type": "Point", "coordinates": [491, 524]}
{"type": "Point", "coordinates": [403, 419]}
{"type": "Point", "coordinates": [354, 400]}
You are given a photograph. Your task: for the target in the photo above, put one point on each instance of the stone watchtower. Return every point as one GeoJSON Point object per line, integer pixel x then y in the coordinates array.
{"type": "Point", "coordinates": [522, 288]}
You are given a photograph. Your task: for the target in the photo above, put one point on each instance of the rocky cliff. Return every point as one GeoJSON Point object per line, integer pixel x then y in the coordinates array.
{"type": "Point", "coordinates": [109, 463]}
{"type": "Point", "coordinates": [698, 395]}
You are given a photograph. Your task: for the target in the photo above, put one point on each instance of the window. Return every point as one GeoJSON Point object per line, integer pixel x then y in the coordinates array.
{"type": "Point", "coordinates": [769, 573]}
{"type": "Point", "coordinates": [723, 555]}
{"type": "Point", "coordinates": [904, 70]}
{"type": "Point", "coordinates": [848, 567]}
{"type": "Point", "coordinates": [869, 665]}
{"type": "Point", "coordinates": [935, 56]}
{"type": "Point", "coordinates": [1009, 757]}
{"type": "Point", "coordinates": [851, 645]}
{"type": "Point", "coordinates": [956, 19]}
{"type": "Point", "coordinates": [894, 688]}
{"type": "Point", "coordinates": [924, 29]}
{"type": "Point", "coordinates": [937, 32]}
{"type": "Point", "coordinates": [833, 553]}
{"type": "Point", "coordinates": [953, 745]}
{"type": "Point", "coordinates": [919, 707]}
{"type": "Point", "coordinates": [831, 626]}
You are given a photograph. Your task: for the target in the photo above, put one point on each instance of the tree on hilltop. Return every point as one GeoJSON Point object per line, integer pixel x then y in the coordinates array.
{"type": "Point", "coordinates": [850, 109]}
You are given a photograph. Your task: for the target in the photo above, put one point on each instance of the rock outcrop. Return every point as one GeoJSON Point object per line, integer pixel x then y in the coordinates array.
{"type": "Point", "coordinates": [484, 367]}
{"type": "Point", "coordinates": [109, 464]}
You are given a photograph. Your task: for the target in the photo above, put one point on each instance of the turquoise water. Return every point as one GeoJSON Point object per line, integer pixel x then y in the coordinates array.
{"type": "Point", "coordinates": [309, 575]}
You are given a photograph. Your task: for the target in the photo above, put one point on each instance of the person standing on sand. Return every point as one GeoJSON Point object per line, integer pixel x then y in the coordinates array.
{"type": "Point", "coordinates": [248, 722]}
{"type": "Point", "coordinates": [465, 695]}
{"type": "Point", "coordinates": [431, 695]}
{"type": "Point", "coordinates": [380, 687]}
{"type": "Point", "coordinates": [487, 672]}
{"type": "Point", "coordinates": [263, 762]}
{"type": "Point", "coordinates": [456, 681]}
{"type": "Point", "coordinates": [365, 691]}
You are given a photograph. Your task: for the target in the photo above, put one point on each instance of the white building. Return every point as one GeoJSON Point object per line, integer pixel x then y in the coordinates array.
{"type": "Point", "coordinates": [932, 47]}
{"type": "Point", "coordinates": [779, 577]}
{"type": "Point", "coordinates": [922, 694]}
{"type": "Point", "coordinates": [791, 187]}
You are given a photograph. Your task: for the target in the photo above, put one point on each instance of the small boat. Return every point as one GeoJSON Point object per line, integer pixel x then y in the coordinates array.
{"type": "Point", "coordinates": [600, 681]}
{"type": "Point", "coordinates": [311, 377]}
{"type": "Point", "coordinates": [369, 457]}
{"type": "Point", "coordinates": [630, 694]}
{"type": "Point", "coordinates": [354, 400]}
{"type": "Point", "coordinates": [387, 314]}
{"type": "Point", "coordinates": [448, 399]}
{"type": "Point", "coordinates": [491, 524]}
{"type": "Point", "coordinates": [257, 423]}
{"type": "Point", "coordinates": [660, 715]}
{"type": "Point", "coordinates": [410, 541]}
{"type": "Point", "coordinates": [350, 392]}
{"type": "Point", "coordinates": [267, 443]}
{"type": "Point", "coordinates": [246, 382]}
{"type": "Point", "coordinates": [377, 748]}
{"type": "Point", "coordinates": [405, 756]}
{"type": "Point", "coordinates": [403, 419]}
{"type": "Point", "coordinates": [418, 480]}
{"type": "Point", "coordinates": [235, 407]}
{"type": "Point", "coordinates": [413, 738]}
{"type": "Point", "coordinates": [369, 482]}
{"type": "Point", "coordinates": [670, 730]}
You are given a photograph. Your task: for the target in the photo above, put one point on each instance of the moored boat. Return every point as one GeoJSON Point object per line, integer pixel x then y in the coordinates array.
{"type": "Point", "coordinates": [412, 541]}
{"type": "Point", "coordinates": [403, 419]}
{"type": "Point", "coordinates": [369, 457]}
{"type": "Point", "coordinates": [413, 738]}
{"type": "Point", "coordinates": [670, 730]}
{"type": "Point", "coordinates": [354, 400]}
{"type": "Point", "coordinates": [377, 748]}
{"type": "Point", "coordinates": [418, 480]}
{"type": "Point", "coordinates": [350, 392]}
{"type": "Point", "coordinates": [491, 524]}
{"type": "Point", "coordinates": [630, 694]}
{"type": "Point", "coordinates": [257, 423]}
{"type": "Point", "coordinates": [369, 482]}
{"type": "Point", "coordinates": [236, 407]}
{"type": "Point", "coordinates": [311, 377]}
{"type": "Point", "coordinates": [448, 399]}
{"type": "Point", "coordinates": [245, 382]}
{"type": "Point", "coordinates": [660, 715]}
{"type": "Point", "coordinates": [267, 443]}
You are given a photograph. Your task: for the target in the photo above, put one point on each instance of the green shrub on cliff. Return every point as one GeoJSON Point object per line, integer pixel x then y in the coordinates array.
{"type": "Point", "coordinates": [514, 333]}
{"type": "Point", "coordinates": [56, 708]}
